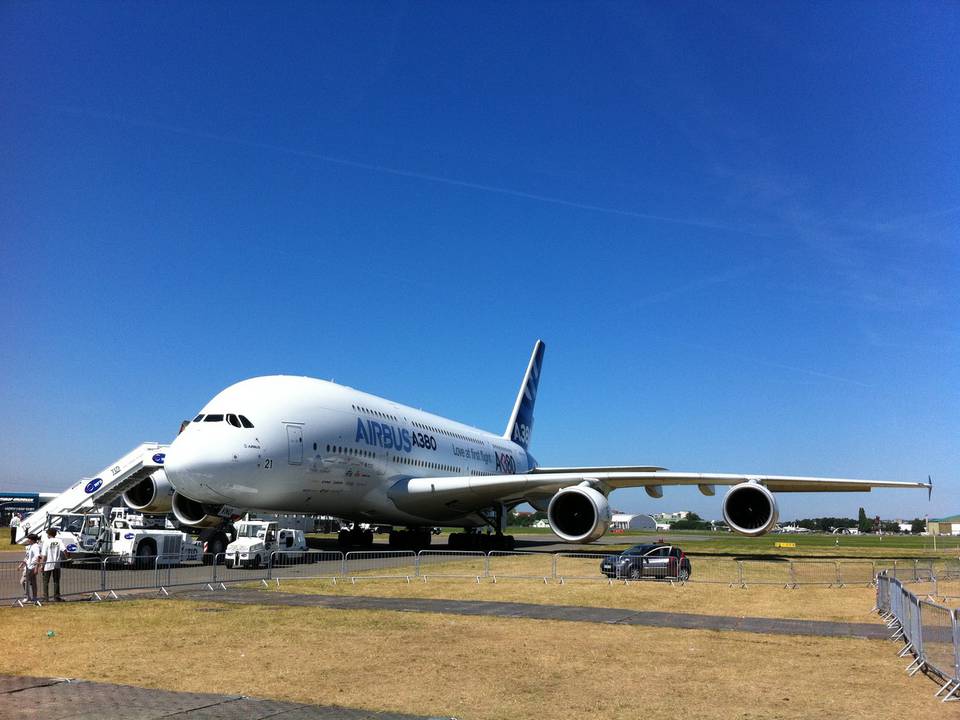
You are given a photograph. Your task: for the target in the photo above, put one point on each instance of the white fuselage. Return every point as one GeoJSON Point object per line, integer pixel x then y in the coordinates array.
{"type": "Point", "coordinates": [318, 447]}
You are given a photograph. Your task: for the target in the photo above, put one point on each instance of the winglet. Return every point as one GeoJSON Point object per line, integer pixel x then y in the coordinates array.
{"type": "Point", "coordinates": [929, 487]}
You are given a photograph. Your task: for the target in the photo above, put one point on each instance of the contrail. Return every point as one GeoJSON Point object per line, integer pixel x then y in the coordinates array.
{"type": "Point", "coordinates": [372, 167]}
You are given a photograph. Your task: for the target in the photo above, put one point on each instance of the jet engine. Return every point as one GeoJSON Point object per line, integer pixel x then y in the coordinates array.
{"type": "Point", "coordinates": [193, 514]}
{"type": "Point", "coordinates": [750, 509]}
{"type": "Point", "coordinates": [152, 495]}
{"type": "Point", "coordinates": [579, 514]}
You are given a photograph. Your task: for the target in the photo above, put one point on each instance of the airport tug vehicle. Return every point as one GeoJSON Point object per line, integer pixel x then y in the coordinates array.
{"type": "Point", "coordinates": [257, 540]}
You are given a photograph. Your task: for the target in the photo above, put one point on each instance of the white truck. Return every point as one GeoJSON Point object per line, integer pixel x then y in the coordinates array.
{"type": "Point", "coordinates": [89, 536]}
{"type": "Point", "coordinates": [140, 546]}
{"type": "Point", "coordinates": [257, 540]}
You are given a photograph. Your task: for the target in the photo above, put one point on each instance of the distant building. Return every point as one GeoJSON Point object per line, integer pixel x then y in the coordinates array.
{"type": "Point", "coordinates": [624, 521]}
{"type": "Point", "coordinates": [671, 517]}
{"type": "Point", "coordinates": [944, 526]}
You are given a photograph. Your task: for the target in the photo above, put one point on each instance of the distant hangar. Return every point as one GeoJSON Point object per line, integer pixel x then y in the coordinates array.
{"type": "Point", "coordinates": [624, 521]}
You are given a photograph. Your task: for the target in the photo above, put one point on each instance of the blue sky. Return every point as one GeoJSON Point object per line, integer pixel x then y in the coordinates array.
{"type": "Point", "coordinates": [735, 225]}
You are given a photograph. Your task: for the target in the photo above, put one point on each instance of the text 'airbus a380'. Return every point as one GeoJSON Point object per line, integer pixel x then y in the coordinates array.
{"type": "Point", "coordinates": [295, 444]}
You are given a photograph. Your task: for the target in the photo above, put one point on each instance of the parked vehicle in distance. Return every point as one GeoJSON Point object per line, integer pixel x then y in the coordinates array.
{"type": "Point", "coordinates": [665, 562]}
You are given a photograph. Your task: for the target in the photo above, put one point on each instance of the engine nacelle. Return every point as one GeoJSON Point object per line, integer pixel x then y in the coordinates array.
{"type": "Point", "coordinates": [579, 514]}
{"type": "Point", "coordinates": [193, 514]}
{"type": "Point", "coordinates": [750, 509]}
{"type": "Point", "coordinates": [152, 495]}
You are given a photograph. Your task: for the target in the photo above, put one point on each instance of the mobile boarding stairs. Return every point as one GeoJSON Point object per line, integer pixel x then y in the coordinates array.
{"type": "Point", "coordinates": [109, 484]}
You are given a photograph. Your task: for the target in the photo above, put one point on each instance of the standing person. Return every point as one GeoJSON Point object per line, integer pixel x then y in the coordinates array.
{"type": "Point", "coordinates": [14, 524]}
{"type": "Point", "coordinates": [31, 566]}
{"type": "Point", "coordinates": [51, 555]}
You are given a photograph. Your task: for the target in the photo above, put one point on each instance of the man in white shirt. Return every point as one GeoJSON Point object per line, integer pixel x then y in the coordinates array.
{"type": "Point", "coordinates": [30, 565]}
{"type": "Point", "coordinates": [14, 524]}
{"type": "Point", "coordinates": [51, 555]}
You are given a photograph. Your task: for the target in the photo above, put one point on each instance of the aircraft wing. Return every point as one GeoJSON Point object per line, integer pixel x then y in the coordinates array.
{"type": "Point", "coordinates": [476, 490]}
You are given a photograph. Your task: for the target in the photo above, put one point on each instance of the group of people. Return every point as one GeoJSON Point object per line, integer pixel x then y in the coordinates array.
{"type": "Point", "coordinates": [44, 558]}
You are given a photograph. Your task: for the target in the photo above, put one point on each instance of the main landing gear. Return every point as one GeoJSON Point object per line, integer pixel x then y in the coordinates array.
{"type": "Point", "coordinates": [410, 539]}
{"type": "Point", "coordinates": [475, 540]}
{"type": "Point", "coordinates": [481, 541]}
{"type": "Point", "coordinates": [355, 536]}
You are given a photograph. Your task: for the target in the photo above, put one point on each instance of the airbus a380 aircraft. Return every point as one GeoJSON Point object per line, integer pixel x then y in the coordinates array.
{"type": "Point", "coordinates": [295, 444]}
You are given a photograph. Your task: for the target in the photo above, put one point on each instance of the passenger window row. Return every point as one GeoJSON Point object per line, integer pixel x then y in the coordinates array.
{"type": "Point", "coordinates": [350, 451]}
{"type": "Point", "coordinates": [375, 413]}
{"type": "Point", "coordinates": [424, 464]}
{"type": "Point", "coordinates": [448, 433]}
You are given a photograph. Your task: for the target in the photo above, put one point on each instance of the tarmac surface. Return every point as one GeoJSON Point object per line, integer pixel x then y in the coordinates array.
{"type": "Point", "coordinates": [568, 613]}
{"type": "Point", "coordinates": [32, 698]}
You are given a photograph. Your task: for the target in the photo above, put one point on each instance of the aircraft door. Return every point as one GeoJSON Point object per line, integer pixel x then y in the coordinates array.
{"type": "Point", "coordinates": [295, 444]}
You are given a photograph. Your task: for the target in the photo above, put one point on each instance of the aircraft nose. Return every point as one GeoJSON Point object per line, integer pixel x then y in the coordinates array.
{"type": "Point", "coordinates": [191, 467]}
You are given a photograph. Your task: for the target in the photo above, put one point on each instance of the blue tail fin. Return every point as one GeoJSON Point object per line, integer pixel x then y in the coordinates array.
{"type": "Point", "coordinates": [520, 427]}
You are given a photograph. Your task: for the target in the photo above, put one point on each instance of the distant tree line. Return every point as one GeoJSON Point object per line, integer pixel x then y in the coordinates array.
{"type": "Point", "coordinates": [691, 522]}
{"type": "Point", "coordinates": [863, 523]}
{"type": "Point", "coordinates": [516, 519]}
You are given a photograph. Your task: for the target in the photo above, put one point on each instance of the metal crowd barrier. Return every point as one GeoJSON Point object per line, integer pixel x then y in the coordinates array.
{"type": "Point", "coordinates": [313, 565]}
{"type": "Point", "coordinates": [380, 564]}
{"type": "Point", "coordinates": [95, 577]}
{"type": "Point", "coordinates": [521, 565]}
{"type": "Point", "coordinates": [930, 632]}
{"type": "Point", "coordinates": [452, 563]}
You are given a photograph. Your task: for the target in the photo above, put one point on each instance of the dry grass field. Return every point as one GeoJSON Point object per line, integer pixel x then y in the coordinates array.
{"type": "Point", "coordinates": [466, 667]}
{"type": "Point", "coordinates": [805, 603]}
{"type": "Point", "coordinates": [470, 667]}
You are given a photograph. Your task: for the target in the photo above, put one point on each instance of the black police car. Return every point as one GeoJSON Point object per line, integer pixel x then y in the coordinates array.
{"type": "Point", "coordinates": [666, 562]}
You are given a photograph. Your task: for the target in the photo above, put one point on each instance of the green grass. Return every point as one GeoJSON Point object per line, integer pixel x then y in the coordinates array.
{"type": "Point", "coordinates": [807, 545]}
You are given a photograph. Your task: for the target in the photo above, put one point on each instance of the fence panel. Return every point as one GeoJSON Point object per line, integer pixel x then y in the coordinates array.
{"type": "Point", "coordinates": [380, 564]}
{"type": "Point", "coordinates": [883, 594]}
{"type": "Point", "coordinates": [120, 574]}
{"type": "Point", "coordinates": [947, 569]}
{"type": "Point", "coordinates": [451, 563]}
{"type": "Point", "coordinates": [714, 570]}
{"type": "Point", "coordinates": [10, 586]}
{"type": "Point", "coordinates": [528, 565]}
{"type": "Point", "coordinates": [171, 572]}
{"type": "Point", "coordinates": [766, 572]}
{"type": "Point", "coordinates": [314, 564]}
{"type": "Point", "coordinates": [81, 576]}
{"type": "Point", "coordinates": [856, 572]}
{"type": "Point", "coordinates": [814, 572]}
{"type": "Point", "coordinates": [579, 566]}
{"type": "Point", "coordinates": [936, 622]}
{"type": "Point", "coordinates": [226, 569]}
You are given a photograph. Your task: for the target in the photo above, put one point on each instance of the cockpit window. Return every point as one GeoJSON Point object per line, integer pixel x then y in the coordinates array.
{"type": "Point", "coordinates": [246, 423]}
{"type": "Point", "coordinates": [213, 418]}
{"type": "Point", "coordinates": [198, 418]}
{"type": "Point", "coordinates": [233, 420]}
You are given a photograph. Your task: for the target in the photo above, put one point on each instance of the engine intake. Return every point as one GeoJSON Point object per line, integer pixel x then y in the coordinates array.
{"type": "Point", "coordinates": [152, 495]}
{"type": "Point", "coordinates": [193, 514]}
{"type": "Point", "coordinates": [750, 509]}
{"type": "Point", "coordinates": [579, 514]}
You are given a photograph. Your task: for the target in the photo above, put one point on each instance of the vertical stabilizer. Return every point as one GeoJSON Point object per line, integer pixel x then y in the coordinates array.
{"type": "Point", "coordinates": [520, 427]}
